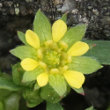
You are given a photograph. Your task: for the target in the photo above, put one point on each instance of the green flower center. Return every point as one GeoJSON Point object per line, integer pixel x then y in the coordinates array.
{"type": "Point", "coordinates": [53, 56]}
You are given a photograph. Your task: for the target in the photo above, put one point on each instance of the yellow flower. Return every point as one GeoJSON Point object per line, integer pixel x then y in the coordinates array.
{"type": "Point", "coordinates": [54, 56]}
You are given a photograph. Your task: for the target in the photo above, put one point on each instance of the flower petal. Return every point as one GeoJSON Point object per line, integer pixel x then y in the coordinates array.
{"type": "Point", "coordinates": [74, 78]}
{"type": "Point", "coordinates": [32, 39]}
{"type": "Point", "coordinates": [29, 64]}
{"type": "Point", "coordinates": [78, 49]}
{"type": "Point", "coordinates": [42, 79]}
{"type": "Point", "coordinates": [58, 30]}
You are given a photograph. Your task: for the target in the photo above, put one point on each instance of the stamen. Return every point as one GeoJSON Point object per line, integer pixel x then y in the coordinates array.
{"type": "Point", "coordinates": [48, 43]}
{"type": "Point", "coordinates": [69, 59]}
{"type": "Point", "coordinates": [54, 46]}
{"type": "Point", "coordinates": [64, 55]}
{"type": "Point", "coordinates": [54, 70]}
{"type": "Point", "coordinates": [43, 65]}
{"type": "Point", "coordinates": [63, 45]}
{"type": "Point", "coordinates": [63, 62]}
{"type": "Point", "coordinates": [53, 55]}
{"type": "Point", "coordinates": [59, 51]}
{"type": "Point", "coordinates": [63, 69]}
{"type": "Point", "coordinates": [39, 54]}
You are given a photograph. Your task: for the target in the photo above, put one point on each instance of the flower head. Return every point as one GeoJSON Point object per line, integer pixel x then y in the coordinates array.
{"type": "Point", "coordinates": [58, 52]}
{"type": "Point", "coordinates": [54, 56]}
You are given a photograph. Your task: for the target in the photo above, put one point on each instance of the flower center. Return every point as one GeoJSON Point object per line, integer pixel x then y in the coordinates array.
{"type": "Point", "coordinates": [53, 56]}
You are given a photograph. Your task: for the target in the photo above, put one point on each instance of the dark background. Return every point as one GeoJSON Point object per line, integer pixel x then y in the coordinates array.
{"type": "Point", "coordinates": [19, 14]}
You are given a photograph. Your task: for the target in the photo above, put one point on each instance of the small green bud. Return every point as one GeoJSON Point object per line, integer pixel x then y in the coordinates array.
{"type": "Point", "coordinates": [39, 54]}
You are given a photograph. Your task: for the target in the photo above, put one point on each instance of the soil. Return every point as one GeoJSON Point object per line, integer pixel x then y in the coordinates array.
{"type": "Point", "coordinates": [19, 14]}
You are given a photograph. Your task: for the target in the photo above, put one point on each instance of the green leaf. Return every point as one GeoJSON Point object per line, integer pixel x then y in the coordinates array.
{"type": "Point", "coordinates": [90, 108]}
{"type": "Point", "coordinates": [23, 52]}
{"type": "Point", "coordinates": [21, 36]}
{"type": "Point", "coordinates": [17, 73]}
{"type": "Point", "coordinates": [1, 106]}
{"type": "Point", "coordinates": [12, 102]}
{"type": "Point", "coordinates": [23, 105]}
{"type": "Point", "coordinates": [4, 94]}
{"type": "Point", "coordinates": [74, 34]}
{"type": "Point", "coordinates": [108, 108]}
{"type": "Point", "coordinates": [58, 83]}
{"type": "Point", "coordinates": [64, 17]}
{"type": "Point", "coordinates": [48, 94]}
{"type": "Point", "coordinates": [31, 75]}
{"type": "Point", "coordinates": [100, 50]}
{"type": "Point", "coordinates": [8, 85]}
{"type": "Point", "coordinates": [79, 91]}
{"type": "Point", "coordinates": [5, 75]}
{"type": "Point", "coordinates": [36, 86]}
{"type": "Point", "coordinates": [68, 90]}
{"type": "Point", "coordinates": [84, 64]}
{"type": "Point", "coordinates": [51, 106]}
{"type": "Point", "coordinates": [42, 27]}
{"type": "Point", "coordinates": [32, 98]}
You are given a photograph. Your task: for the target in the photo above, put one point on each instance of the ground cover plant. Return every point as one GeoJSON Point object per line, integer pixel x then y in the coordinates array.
{"type": "Point", "coordinates": [53, 60]}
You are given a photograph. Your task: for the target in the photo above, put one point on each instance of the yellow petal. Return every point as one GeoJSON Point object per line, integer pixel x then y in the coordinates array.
{"type": "Point", "coordinates": [58, 30]}
{"type": "Point", "coordinates": [78, 49]}
{"type": "Point", "coordinates": [42, 79]}
{"type": "Point", "coordinates": [75, 79]}
{"type": "Point", "coordinates": [29, 64]}
{"type": "Point", "coordinates": [32, 39]}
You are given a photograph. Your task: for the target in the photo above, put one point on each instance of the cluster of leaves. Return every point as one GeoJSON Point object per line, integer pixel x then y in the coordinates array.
{"type": "Point", "coordinates": [15, 88]}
